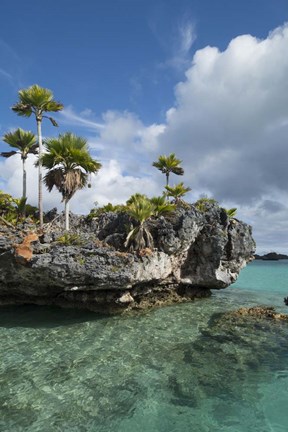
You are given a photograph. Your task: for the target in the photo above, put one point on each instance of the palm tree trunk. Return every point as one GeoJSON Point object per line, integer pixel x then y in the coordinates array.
{"type": "Point", "coordinates": [24, 178]}
{"type": "Point", "coordinates": [40, 197]}
{"type": "Point", "coordinates": [24, 194]}
{"type": "Point", "coordinates": [66, 215]}
{"type": "Point", "coordinates": [167, 178]}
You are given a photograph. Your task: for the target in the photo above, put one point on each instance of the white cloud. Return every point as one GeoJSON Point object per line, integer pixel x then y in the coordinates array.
{"type": "Point", "coordinates": [109, 185]}
{"type": "Point", "coordinates": [230, 124]}
{"type": "Point", "coordinates": [224, 113]}
{"type": "Point", "coordinates": [84, 119]}
{"type": "Point", "coordinates": [181, 45]}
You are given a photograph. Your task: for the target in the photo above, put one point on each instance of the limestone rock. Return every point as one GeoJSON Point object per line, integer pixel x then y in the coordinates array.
{"type": "Point", "coordinates": [194, 252]}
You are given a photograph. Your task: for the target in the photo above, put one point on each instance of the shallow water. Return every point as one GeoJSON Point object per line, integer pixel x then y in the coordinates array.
{"type": "Point", "coordinates": [172, 369]}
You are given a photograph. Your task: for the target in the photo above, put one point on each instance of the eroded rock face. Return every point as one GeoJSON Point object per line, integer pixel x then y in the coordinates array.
{"type": "Point", "coordinates": [194, 252]}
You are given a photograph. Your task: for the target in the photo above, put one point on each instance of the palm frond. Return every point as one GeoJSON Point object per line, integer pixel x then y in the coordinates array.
{"type": "Point", "coordinates": [231, 213]}
{"type": "Point", "coordinates": [141, 210]}
{"type": "Point", "coordinates": [135, 198]}
{"type": "Point", "coordinates": [22, 109]}
{"type": "Point", "coordinates": [68, 160]}
{"type": "Point", "coordinates": [177, 191]}
{"type": "Point", "coordinates": [24, 141]}
{"type": "Point", "coordinates": [54, 178]}
{"type": "Point", "coordinates": [169, 164]}
{"type": "Point", "coordinates": [69, 151]}
{"type": "Point", "coordinates": [36, 99]}
{"type": "Point", "coordinates": [8, 154]}
{"type": "Point", "coordinates": [162, 206]}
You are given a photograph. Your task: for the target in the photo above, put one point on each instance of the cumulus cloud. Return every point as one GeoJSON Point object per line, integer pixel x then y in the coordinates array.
{"type": "Point", "coordinates": [230, 126]}
{"type": "Point", "coordinates": [230, 118]}
{"type": "Point", "coordinates": [119, 135]}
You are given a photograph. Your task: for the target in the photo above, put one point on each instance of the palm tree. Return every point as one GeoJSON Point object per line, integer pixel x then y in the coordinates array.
{"type": "Point", "coordinates": [25, 142]}
{"type": "Point", "coordinates": [69, 164]}
{"type": "Point", "coordinates": [136, 198]}
{"type": "Point", "coordinates": [37, 100]}
{"type": "Point", "coordinates": [162, 206]}
{"type": "Point", "coordinates": [177, 191]}
{"type": "Point", "coordinates": [169, 164]}
{"type": "Point", "coordinates": [141, 209]}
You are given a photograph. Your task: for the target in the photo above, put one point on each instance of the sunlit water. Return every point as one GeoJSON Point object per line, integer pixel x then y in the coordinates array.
{"type": "Point", "coordinates": [166, 370]}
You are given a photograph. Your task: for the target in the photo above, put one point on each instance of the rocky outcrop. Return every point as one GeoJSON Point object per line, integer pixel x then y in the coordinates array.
{"type": "Point", "coordinates": [256, 312]}
{"type": "Point", "coordinates": [193, 253]}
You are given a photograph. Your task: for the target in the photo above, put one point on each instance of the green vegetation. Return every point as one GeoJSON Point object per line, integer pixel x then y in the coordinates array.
{"type": "Point", "coordinates": [231, 213]}
{"type": "Point", "coordinates": [25, 143]}
{"type": "Point", "coordinates": [141, 210]}
{"type": "Point", "coordinates": [169, 164]}
{"type": "Point", "coordinates": [68, 239]}
{"type": "Point", "coordinates": [177, 192]}
{"type": "Point", "coordinates": [12, 209]}
{"type": "Point", "coordinates": [97, 211]}
{"type": "Point", "coordinates": [203, 204]}
{"type": "Point", "coordinates": [68, 160]}
{"type": "Point", "coordinates": [37, 100]}
{"type": "Point", "coordinates": [162, 207]}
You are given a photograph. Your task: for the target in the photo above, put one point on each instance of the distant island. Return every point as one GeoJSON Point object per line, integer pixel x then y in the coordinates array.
{"type": "Point", "coordinates": [271, 256]}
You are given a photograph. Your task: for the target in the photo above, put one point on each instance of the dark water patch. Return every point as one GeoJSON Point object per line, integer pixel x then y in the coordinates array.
{"type": "Point", "coordinates": [32, 316]}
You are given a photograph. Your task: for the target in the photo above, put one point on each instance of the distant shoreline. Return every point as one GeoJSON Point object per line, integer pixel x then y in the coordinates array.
{"type": "Point", "coordinates": [271, 256]}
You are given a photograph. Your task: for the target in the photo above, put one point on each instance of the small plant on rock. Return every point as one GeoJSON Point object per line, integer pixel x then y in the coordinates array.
{"type": "Point", "coordinates": [162, 206]}
{"type": "Point", "coordinates": [203, 204]}
{"type": "Point", "coordinates": [177, 192]}
{"type": "Point", "coordinates": [108, 208]}
{"type": "Point", "coordinates": [141, 210]}
{"type": "Point", "coordinates": [231, 213]}
{"type": "Point", "coordinates": [69, 239]}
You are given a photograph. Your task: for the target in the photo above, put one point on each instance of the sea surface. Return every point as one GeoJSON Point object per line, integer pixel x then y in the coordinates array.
{"type": "Point", "coordinates": [179, 368]}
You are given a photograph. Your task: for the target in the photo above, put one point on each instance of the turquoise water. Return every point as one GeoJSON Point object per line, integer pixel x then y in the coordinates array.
{"type": "Point", "coordinates": [179, 368]}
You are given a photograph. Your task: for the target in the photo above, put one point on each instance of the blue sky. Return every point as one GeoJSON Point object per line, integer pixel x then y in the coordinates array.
{"type": "Point", "coordinates": [138, 78]}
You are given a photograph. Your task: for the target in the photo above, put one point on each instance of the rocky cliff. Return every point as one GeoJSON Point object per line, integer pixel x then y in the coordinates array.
{"type": "Point", "coordinates": [193, 253]}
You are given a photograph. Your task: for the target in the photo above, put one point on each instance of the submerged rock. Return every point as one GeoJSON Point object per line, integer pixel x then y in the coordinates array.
{"type": "Point", "coordinates": [256, 312]}
{"type": "Point", "coordinates": [194, 252]}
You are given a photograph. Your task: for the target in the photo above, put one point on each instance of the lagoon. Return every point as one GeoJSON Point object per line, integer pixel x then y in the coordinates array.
{"type": "Point", "coordinates": [163, 370]}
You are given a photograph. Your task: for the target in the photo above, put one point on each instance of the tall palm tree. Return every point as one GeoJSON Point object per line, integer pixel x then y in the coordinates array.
{"type": "Point", "coordinates": [169, 164]}
{"type": "Point", "coordinates": [177, 192]}
{"type": "Point", "coordinates": [25, 142]}
{"type": "Point", "coordinates": [69, 164]}
{"type": "Point", "coordinates": [37, 100]}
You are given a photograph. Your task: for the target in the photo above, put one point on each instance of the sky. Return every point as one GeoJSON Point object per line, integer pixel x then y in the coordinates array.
{"type": "Point", "coordinates": [205, 79]}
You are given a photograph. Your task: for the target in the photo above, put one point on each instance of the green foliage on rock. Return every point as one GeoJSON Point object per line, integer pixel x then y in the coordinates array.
{"type": "Point", "coordinates": [141, 210]}
{"type": "Point", "coordinates": [162, 207]}
{"type": "Point", "coordinates": [231, 213]}
{"type": "Point", "coordinates": [12, 209]}
{"type": "Point", "coordinates": [107, 208]}
{"type": "Point", "coordinates": [69, 239]}
{"type": "Point", "coordinates": [177, 192]}
{"type": "Point", "coordinates": [203, 204]}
